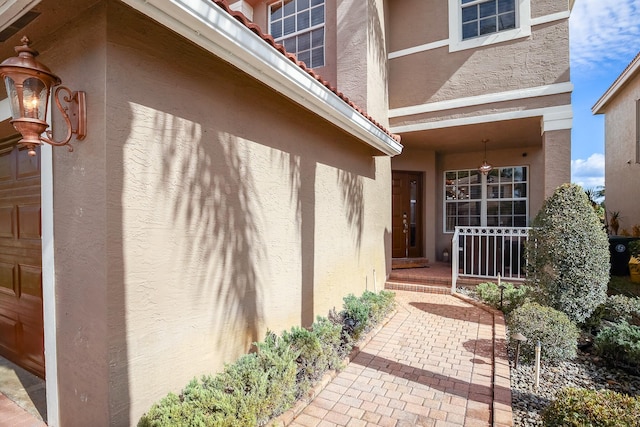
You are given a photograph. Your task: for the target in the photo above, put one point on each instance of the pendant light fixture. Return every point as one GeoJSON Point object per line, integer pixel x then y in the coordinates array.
{"type": "Point", "coordinates": [485, 168]}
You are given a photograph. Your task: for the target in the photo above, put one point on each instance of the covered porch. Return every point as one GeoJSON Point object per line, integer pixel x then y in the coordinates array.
{"type": "Point", "coordinates": [483, 254]}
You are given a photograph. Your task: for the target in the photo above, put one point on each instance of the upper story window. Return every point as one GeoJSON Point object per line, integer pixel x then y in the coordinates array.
{"type": "Point", "coordinates": [475, 23]}
{"type": "Point", "coordinates": [299, 26]}
{"type": "Point", "coordinates": [480, 17]}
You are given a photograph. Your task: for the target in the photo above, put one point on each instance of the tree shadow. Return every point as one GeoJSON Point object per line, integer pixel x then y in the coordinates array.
{"type": "Point", "coordinates": [219, 209]}
{"type": "Point", "coordinates": [458, 313]}
{"type": "Point", "coordinates": [352, 191]}
{"type": "Point", "coordinates": [434, 380]}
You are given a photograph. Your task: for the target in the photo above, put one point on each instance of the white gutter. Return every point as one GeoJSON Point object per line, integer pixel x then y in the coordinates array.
{"type": "Point", "coordinates": [207, 25]}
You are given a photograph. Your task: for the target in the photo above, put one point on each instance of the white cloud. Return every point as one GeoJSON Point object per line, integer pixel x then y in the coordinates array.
{"type": "Point", "coordinates": [588, 173]}
{"type": "Point", "coordinates": [603, 32]}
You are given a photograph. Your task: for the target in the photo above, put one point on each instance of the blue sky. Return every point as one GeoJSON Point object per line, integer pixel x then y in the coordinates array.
{"type": "Point", "coordinates": [604, 38]}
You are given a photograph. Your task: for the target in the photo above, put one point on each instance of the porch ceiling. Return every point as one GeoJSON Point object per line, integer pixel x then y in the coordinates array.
{"type": "Point", "coordinates": [505, 134]}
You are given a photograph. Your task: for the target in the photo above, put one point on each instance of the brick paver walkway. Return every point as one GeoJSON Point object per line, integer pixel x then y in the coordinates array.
{"type": "Point", "coordinates": [11, 415]}
{"type": "Point", "coordinates": [432, 364]}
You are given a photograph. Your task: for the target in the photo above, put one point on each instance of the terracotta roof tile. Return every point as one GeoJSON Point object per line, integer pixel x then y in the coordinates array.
{"type": "Point", "coordinates": [269, 39]}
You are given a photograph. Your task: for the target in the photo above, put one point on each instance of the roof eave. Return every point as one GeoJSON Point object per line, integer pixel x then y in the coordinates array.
{"type": "Point", "coordinates": [209, 26]}
{"type": "Point", "coordinates": [633, 68]}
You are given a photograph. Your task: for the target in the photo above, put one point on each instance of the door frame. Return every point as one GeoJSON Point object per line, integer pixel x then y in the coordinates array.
{"type": "Point", "coordinates": [49, 284]}
{"type": "Point", "coordinates": [417, 250]}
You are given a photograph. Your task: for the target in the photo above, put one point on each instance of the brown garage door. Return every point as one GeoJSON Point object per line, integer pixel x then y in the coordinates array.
{"type": "Point", "coordinates": [21, 321]}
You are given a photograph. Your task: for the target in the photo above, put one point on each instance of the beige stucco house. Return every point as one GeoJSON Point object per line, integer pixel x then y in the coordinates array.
{"type": "Point", "coordinates": [224, 188]}
{"type": "Point", "coordinates": [620, 105]}
{"type": "Point", "coordinates": [453, 78]}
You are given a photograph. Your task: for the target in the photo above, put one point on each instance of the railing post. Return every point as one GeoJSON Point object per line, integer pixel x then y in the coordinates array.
{"type": "Point", "coordinates": [455, 257]}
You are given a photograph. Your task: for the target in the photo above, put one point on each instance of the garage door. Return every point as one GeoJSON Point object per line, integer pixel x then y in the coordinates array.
{"type": "Point", "coordinates": [21, 320]}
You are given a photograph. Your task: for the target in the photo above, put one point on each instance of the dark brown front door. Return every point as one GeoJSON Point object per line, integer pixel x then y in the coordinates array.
{"type": "Point", "coordinates": [21, 319]}
{"type": "Point", "coordinates": [407, 214]}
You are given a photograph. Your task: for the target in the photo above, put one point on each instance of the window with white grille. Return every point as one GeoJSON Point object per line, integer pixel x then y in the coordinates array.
{"type": "Point", "coordinates": [299, 26]}
{"type": "Point", "coordinates": [499, 199]}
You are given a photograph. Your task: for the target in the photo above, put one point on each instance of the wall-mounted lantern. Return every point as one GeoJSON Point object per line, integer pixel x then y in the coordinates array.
{"type": "Point", "coordinates": [28, 85]}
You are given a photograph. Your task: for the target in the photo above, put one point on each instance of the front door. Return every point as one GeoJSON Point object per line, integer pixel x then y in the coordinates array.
{"type": "Point", "coordinates": [407, 214]}
{"type": "Point", "coordinates": [21, 318]}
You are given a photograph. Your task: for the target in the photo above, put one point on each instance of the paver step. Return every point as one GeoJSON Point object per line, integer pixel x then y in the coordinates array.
{"type": "Point", "coordinates": [400, 263]}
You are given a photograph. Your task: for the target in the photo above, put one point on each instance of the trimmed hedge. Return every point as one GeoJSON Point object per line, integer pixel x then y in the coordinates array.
{"type": "Point", "coordinates": [557, 334]}
{"type": "Point", "coordinates": [568, 254]}
{"type": "Point", "coordinates": [264, 384]}
{"type": "Point", "coordinates": [575, 407]}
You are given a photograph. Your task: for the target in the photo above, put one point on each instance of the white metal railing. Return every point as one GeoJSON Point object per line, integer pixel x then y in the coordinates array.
{"type": "Point", "coordinates": [487, 252]}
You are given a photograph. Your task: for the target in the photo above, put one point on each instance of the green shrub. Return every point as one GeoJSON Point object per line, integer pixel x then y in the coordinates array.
{"type": "Point", "coordinates": [634, 246]}
{"type": "Point", "coordinates": [557, 334]}
{"type": "Point", "coordinates": [619, 345]}
{"type": "Point", "coordinates": [321, 348]}
{"type": "Point", "coordinates": [261, 385]}
{"type": "Point", "coordinates": [568, 255]}
{"type": "Point", "coordinates": [575, 407]}
{"type": "Point", "coordinates": [250, 391]}
{"type": "Point", "coordinates": [512, 296]}
{"type": "Point", "coordinates": [620, 308]}
{"type": "Point", "coordinates": [360, 314]}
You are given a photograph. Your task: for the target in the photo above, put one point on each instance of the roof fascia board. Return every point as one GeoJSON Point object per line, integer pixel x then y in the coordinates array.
{"type": "Point", "coordinates": [491, 98]}
{"type": "Point", "coordinates": [561, 116]}
{"type": "Point", "coordinates": [10, 10]}
{"type": "Point", "coordinates": [617, 85]}
{"type": "Point", "coordinates": [207, 25]}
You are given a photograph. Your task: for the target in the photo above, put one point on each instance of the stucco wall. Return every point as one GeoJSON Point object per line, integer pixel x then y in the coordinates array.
{"type": "Point", "coordinates": [83, 281]}
{"type": "Point", "coordinates": [438, 75]}
{"type": "Point", "coordinates": [557, 159]}
{"type": "Point", "coordinates": [202, 210]}
{"type": "Point", "coordinates": [622, 173]}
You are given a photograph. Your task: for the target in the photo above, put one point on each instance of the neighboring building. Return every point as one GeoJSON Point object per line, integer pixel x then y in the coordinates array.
{"type": "Point", "coordinates": [620, 105]}
{"type": "Point", "coordinates": [224, 189]}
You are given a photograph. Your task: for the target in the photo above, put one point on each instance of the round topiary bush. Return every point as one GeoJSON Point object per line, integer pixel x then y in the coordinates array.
{"type": "Point", "coordinates": [580, 407]}
{"type": "Point", "coordinates": [557, 334]}
{"type": "Point", "coordinates": [568, 254]}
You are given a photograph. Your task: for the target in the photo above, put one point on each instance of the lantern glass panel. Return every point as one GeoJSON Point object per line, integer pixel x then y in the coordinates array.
{"type": "Point", "coordinates": [34, 99]}
{"type": "Point", "coordinates": [12, 93]}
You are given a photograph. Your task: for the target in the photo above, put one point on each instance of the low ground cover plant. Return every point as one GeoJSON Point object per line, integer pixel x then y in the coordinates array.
{"type": "Point", "coordinates": [512, 296]}
{"type": "Point", "coordinates": [265, 383]}
{"type": "Point", "coordinates": [576, 407]}
{"type": "Point", "coordinates": [557, 334]}
{"type": "Point", "coordinates": [619, 308]}
{"type": "Point", "coordinates": [619, 345]}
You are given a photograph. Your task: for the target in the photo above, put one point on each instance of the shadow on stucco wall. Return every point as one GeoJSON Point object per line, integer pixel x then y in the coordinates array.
{"type": "Point", "coordinates": [217, 205]}
{"type": "Point", "coordinates": [352, 191]}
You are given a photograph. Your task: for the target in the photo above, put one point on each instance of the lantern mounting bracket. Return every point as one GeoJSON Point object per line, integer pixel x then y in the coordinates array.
{"type": "Point", "coordinates": [74, 114]}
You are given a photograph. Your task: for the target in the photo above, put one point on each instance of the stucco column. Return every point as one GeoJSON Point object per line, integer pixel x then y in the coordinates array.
{"type": "Point", "coordinates": [362, 55]}
{"type": "Point", "coordinates": [556, 146]}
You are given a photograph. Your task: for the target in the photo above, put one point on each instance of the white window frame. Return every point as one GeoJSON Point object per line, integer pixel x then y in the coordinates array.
{"type": "Point", "coordinates": [523, 27]}
{"type": "Point", "coordinates": [484, 196]}
{"type": "Point", "coordinates": [309, 30]}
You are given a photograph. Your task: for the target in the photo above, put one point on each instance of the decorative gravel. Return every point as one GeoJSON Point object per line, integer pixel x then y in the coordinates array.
{"type": "Point", "coordinates": [585, 371]}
